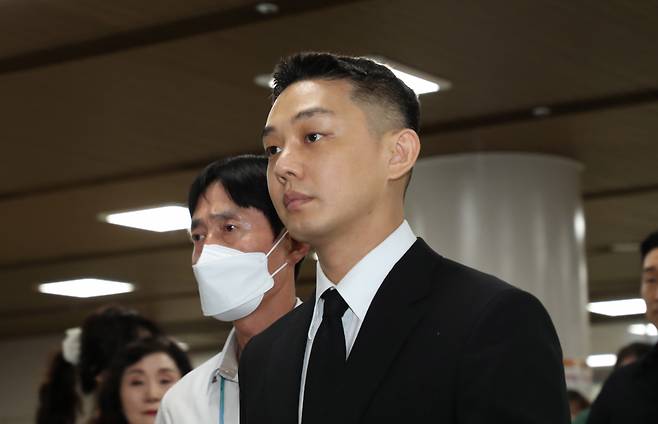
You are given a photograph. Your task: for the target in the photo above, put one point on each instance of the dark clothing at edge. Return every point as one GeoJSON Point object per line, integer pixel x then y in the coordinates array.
{"type": "Point", "coordinates": [630, 395]}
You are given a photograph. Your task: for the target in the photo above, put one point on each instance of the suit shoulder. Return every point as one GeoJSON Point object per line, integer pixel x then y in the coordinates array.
{"type": "Point", "coordinates": [473, 295]}
{"type": "Point", "coordinates": [457, 276]}
{"type": "Point", "coordinates": [295, 317]}
{"type": "Point", "coordinates": [475, 284]}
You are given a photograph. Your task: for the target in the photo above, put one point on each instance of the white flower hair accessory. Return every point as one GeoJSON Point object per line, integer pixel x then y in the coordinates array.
{"type": "Point", "coordinates": [71, 345]}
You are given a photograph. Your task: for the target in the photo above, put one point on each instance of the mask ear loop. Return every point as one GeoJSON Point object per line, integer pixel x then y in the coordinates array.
{"type": "Point", "coordinates": [277, 243]}
{"type": "Point", "coordinates": [272, 249]}
{"type": "Point", "coordinates": [279, 269]}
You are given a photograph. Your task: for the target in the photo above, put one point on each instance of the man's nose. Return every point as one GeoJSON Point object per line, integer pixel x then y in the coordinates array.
{"type": "Point", "coordinates": [288, 165]}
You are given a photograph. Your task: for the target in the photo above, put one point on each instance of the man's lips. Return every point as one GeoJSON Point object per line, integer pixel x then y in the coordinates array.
{"type": "Point", "coordinates": [293, 200]}
{"type": "Point", "coordinates": [153, 412]}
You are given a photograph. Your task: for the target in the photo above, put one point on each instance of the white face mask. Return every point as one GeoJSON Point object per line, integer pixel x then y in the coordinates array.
{"type": "Point", "coordinates": [232, 283]}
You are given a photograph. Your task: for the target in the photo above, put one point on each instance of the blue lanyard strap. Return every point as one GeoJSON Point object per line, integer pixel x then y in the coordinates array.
{"type": "Point", "coordinates": [221, 400]}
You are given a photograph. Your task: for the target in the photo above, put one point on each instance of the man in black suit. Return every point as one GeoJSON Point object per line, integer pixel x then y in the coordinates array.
{"type": "Point", "coordinates": [395, 332]}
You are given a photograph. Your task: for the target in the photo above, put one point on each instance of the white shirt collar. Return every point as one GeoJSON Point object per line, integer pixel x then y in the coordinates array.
{"type": "Point", "coordinates": [227, 362]}
{"type": "Point", "coordinates": [359, 286]}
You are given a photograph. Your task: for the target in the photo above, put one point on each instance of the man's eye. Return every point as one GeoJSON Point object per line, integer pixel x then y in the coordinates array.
{"type": "Point", "coordinates": [272, 150]}
{"type": "Point", "coordinates": [313, 137]}
{"type": "Point", "coordinates": [197, 237]}
{"type": "Point", "coordinates": [136, 383]}
{"type": "Point", "coordinates": [230, 227]}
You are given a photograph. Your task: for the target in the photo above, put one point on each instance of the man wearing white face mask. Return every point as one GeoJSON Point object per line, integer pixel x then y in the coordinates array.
{"type": "Point", "coordinates": [244, 263]}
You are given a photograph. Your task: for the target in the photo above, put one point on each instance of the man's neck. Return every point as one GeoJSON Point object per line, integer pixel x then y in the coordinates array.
{"type": "Point", "coordinates": [340, 254]}
{"type": "Point", "coordinates": [261, 318]}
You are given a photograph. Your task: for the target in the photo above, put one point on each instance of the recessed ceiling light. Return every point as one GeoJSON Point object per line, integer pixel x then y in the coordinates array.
{"type": "Point", "coordinates": [616, 308]}
{"type": "Point", "coordinates": [266, 8]}
{"type": "Point", "coordinates": [160, 219]}
{"type": "Point", "coordinates": [643, 329]}
{"type": "Point", "coordinates": [602, 360]}
{"type": "Point", "coordinates": [86, 287]}
{"type": "Point", "coordinates": [540, 111]}
{"type": "Point", "coordinates": [264, 80]}
{"type": "Point", "coordinates": [419, 82]}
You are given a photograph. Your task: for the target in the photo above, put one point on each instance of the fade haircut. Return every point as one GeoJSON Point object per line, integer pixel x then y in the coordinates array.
{"type": "Point", "coordinates": [373, 84]}
{"type": "Point", "coordinates": [649, 243]}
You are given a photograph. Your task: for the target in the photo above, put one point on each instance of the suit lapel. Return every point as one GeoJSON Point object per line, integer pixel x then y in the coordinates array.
{"type": "Point", "coordinates": [393, 313]}
{"type": "Point", "coordinates": [283, 374]}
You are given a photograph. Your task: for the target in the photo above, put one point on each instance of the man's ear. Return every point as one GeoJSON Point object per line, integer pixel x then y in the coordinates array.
{"type": "Point", "coordinates": [404, 148]}
{"type": "Point", "coordinates": [297, 251]}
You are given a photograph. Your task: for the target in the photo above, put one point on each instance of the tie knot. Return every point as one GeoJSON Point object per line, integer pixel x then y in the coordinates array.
{"type": "Point", "coordinates": [334, 304]}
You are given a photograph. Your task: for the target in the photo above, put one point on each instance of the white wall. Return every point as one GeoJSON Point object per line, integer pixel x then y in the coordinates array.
{"type": "Point", "coordinates": [22, 367]}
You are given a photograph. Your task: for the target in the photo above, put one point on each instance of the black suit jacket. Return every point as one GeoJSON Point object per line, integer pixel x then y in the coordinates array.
{"type": "Point", "coordinates": [441, 343]}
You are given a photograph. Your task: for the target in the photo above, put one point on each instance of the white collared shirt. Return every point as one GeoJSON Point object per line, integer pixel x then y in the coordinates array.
{"type": "Point", "coordinates": [195, 398]}
{"type": "Point", "coordinates": [357, 288]}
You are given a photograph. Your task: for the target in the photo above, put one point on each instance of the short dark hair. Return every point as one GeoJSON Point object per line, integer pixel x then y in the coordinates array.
{"type": "Point", "coordinates": [244, 178]}
{"type": "Point", "coordinates": [373, 83]}
{"type": "Point", "coordinates": [635, 349]}
{"type": "Point", "coordinates": [109, 396]}
{"type": "Point", "coordinates": [649, 243]}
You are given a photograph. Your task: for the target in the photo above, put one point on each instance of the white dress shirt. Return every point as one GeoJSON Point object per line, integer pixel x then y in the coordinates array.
{"type": "Point", "coordinates": [358, 287]}
{"type": "Point", "coordinates": [196, 397]}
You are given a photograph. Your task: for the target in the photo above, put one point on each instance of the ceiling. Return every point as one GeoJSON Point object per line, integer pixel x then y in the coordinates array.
{"type": "Point", "coordinates": [109, 106]}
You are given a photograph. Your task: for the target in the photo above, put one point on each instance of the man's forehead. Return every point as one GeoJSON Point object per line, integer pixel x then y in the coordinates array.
{"type": "Point", "coordinates": [651, 261]}
{"type": "Point", "coordinates": [308, 94]}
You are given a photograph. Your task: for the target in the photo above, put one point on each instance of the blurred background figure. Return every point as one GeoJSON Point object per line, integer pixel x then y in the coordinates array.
{"type": "Point", "coordinates": [67, 394]}
{"type": "Point", "coordinates": [138, 378]}
{"type": "Point", "coordinates": [578, 406]}
{"type": "Point", "coordinates": [630, 393]}
{"type": "Point", "coordinates": [631, 353]}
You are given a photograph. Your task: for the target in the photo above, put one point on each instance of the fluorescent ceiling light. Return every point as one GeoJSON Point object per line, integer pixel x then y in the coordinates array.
{"type": "Point", "coordinates": [603, 360]}
{"type": "Point", "coordinates": [86, 287]}
{"type": "Point", "coordinates": [616, 308]}
{"type": "Point", "coordinates": [264, 80]}
{"type": "Point", "coordinates": [419, 82]}
{"type": "Point", "coordinates": [624, 247]}
{"type": "Point", "coordinates": [643, 329]}
{"type": "Point", "coordinates": [160, 219]}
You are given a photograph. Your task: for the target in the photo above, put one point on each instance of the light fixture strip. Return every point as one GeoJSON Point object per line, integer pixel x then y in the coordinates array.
{"type": "Point", "coordinates": [616, 308]}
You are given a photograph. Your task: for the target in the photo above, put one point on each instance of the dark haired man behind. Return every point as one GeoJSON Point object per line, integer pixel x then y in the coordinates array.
{"type": "Point", "coordinates": [630, 394]}
{"type": "Point", "coordinates": [243, 261]}
{"type": "Point", "coordinates": [395, 333]}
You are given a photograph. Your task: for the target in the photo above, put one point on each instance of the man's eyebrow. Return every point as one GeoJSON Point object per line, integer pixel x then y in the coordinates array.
{"type": "Point", "coordinates": [304, 114]}
{"type": "Point", "coordinates": [266, 131]}
{"type": "Point", "coordinates": [307, 113]}
{"type": "Point", "coordinates": [651, 268]}
{"type": "Point", "coordinates": [229, 214]}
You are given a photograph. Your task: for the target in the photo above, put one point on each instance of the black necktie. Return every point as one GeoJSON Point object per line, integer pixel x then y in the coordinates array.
{"type": "Point", "coordinates": [327, 360]}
